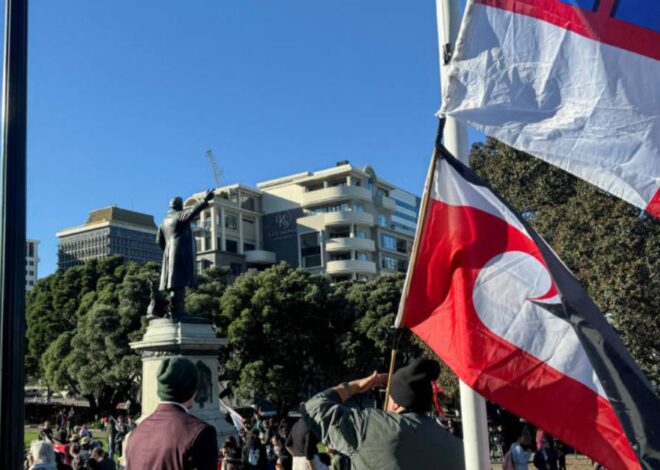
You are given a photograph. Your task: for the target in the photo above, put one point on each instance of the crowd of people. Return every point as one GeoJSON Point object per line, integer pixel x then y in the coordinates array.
{"type": "Point", "coordinates": [270, 444]}
{"type": "Point", "coordinates": [70, 447]}
{"type": "Point", "coordinates": [352, 437]}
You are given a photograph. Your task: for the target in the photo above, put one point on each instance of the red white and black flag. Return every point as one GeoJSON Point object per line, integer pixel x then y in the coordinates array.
{"type": "Point", "coordinates": [492, 299]}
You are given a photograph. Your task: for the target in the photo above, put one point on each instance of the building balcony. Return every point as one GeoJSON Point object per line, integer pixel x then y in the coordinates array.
{"type": "Point", "coordinates": [350, 266]}
{"type": "Point", "coordinates": [335, 194]}
{"type": "Point", "coordinates": [260, 257]}
{"type": "Point", "coordinates": [348, 244]}
{"type": "Point", "coordinates": [387, 203]}
{"type": "Point", "coordinates": [347, 218]}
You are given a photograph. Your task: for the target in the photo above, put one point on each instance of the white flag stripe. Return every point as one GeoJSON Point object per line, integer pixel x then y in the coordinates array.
{"type": "Point", "coordinates": [582, 105]}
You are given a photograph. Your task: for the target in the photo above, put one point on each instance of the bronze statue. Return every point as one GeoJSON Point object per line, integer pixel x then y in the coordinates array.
{"type": "Point", "coordinates": [176, 239]}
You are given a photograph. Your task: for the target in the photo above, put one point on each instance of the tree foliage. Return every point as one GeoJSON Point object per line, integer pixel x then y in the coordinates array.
{"type": "Point", "coordinates": [79, 326]}
{"type": "Point", "coordinates": [611, 247]}
{"type": "Point", "coordinates": [279, 334]}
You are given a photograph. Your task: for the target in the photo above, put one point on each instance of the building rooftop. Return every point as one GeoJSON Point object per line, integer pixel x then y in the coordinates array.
{"type": "Point", "coordinates": [117, 214]}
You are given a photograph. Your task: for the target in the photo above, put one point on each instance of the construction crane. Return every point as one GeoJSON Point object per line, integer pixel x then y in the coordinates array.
{"type": "Point", "coordinates": [217, 174]}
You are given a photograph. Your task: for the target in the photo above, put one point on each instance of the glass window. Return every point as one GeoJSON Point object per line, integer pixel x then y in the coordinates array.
{"type": "Point", "coordinates": [314, 187]}
{"type": "Point", "coordinates": [339, 233]}
{"type": "Point", "coordinates": [233, 197]}
{"type": "Point", "coordinates": [387, 241]}
{"type": "Point", "coordinates": [401, 246]}
{"type": "Point", "coordinates": [363, 256]}
{"type": "Point", "coordinates": [310, 250]}
{"type": "Point", "coordinates": [248, 246]}
{"type": "Point", "coordinates": [232, 246]}
{"type": "Point", "coordinates": [383, 220]}
{"type": "Point", "coordinates": [208, 242]}
{"type": "Point", "coordinates": [389, 263]}
{"type": "Point", "coordinates": [247, 202]}
{"type": "Point", "coordinates": [231, 221]}
{"type": "Point", "coordinates": [358, 207]}
{"type": "Point", "coordinates": [31, 250]}
{"type": "Point", "coordinates": [236, 268]}
{"type": "Point", "coordinates": [249, 230]}
{"type": "Point", "coordinates": [382, 192]}
{"type": "Point", "coordinates": [361, 234]}
{"type": "Point", "coordinates": [340, 256]}
{"type": "Point", "coordinates": [338, 182]}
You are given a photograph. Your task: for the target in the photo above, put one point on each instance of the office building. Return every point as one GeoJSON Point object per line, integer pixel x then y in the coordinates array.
{"type": "Point", "coordinates": [109, 231]}
{"type": "Point", "coordinates": [31, 263]}
{"type": "Point", "coordinates": [342, 221]}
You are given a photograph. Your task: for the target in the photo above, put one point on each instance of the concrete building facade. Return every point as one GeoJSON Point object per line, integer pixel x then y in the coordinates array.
{"type": "Point", "coordinates": [342, 221]}
{"type": "Point", "coordinates": [109, 231]}
{"type": "Point", "coordinates": [31, 263]}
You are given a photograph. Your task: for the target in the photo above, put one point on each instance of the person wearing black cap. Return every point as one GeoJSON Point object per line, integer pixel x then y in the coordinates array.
{"type": "Point", "coordinates": [171, 438]}
{"type": "Point", "coordinates": [403, 437]}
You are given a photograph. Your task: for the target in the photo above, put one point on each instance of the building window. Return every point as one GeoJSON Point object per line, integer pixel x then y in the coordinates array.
{"type": "Point", "coordinates": [314, 187]}
{"type": "Point", "coordinates": [249, 230]}
{"type": "Point", "coordinates": [383, 220]}
{"type": "Point", "coordinates": [337, 182]}
{"type": "Point", "coordinates": [358, 207]}
{"type": "Point", "coordinates": [387, 241]}
{"type": "Point", "coordinates": [363, 256]}
{"type": "Point", "coordinates": [248, 246]}
{"type": "Point", "coordinates": [361, 234]}
{"type": "Point", "coordinates": [310, 250]}
{"type": "Point", "coordinates": [31, 250]}
{"type": "Point", "coordinates": [340, 257]}
{"type": "Point", "coordinates": [247, 202]}
{"type": "Point", "coordinates": [382, 192]}
{"type": "Point", "coordinates": [231, 221]}
{"type": "Point", "coordinates": [339, 233]}
{"type": "Point", "coordinates": [389, 263]}
{"type": "Point", "coordinates": [236, 268]}
{"type": "Point", "coordinates": [402, 266]}
{"type": "Point", "coordinates": [232, 246]}
{"type": "Point", "coordinates": [208, 244]}
{"type": "Point", "coordinates": [401, 246]}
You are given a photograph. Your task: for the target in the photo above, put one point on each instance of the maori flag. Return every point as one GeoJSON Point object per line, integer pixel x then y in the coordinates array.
{"type": "Point", "coordinates": [572, 82]}
{"type": "Point", "coordinates": [493, 300]}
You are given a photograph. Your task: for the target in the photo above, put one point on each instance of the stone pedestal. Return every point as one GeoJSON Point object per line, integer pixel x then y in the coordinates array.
{"type": "Point", "coordinates": [193, 339]}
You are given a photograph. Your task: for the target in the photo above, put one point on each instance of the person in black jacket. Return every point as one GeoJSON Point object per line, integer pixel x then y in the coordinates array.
{"type": "Point", "coordinates": [254, 453]}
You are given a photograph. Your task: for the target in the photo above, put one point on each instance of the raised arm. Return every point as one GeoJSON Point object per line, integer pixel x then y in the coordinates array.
{"type": "Point", "coordinates": [189, 214]}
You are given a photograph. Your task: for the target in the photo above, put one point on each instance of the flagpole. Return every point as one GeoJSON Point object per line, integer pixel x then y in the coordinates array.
{"type": "Point", "coordinates": [398, 324]}
{"type": "Point", "coordinates": [473, 406]}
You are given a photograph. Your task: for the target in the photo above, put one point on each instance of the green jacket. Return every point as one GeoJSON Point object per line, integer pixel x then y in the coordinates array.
{"type": "Point", "coordinates": [378, 440]}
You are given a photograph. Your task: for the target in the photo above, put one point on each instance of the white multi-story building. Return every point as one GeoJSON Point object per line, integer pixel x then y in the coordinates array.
{"type": "Point", "coordinates": [31, 263]}
{"type": "Point", "coordinates": [342, 221]}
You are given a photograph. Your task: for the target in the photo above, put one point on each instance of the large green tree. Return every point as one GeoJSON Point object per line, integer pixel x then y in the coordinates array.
{"type": "Point", "coordinates": [90, 352]}
{"type": "Point", "coordinates": [612, 247]}
{"type": "Point", "coordinates": [279, 334]}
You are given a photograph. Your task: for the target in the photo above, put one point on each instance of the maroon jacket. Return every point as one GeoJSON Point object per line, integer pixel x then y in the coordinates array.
{"type": "Point", "coordinates": [171, 439]}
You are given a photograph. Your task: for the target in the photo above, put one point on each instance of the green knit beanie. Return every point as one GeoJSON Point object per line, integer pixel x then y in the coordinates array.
{"type": "Point", "coordinates": [177, 379]}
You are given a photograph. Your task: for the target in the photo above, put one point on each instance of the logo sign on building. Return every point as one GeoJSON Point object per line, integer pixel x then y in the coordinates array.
{"type": "Point", "coordinates": [281, 234]}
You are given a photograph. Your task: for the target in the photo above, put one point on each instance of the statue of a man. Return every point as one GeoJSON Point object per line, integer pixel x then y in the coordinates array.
{"type": "Point", "coordinates": [176, 239]}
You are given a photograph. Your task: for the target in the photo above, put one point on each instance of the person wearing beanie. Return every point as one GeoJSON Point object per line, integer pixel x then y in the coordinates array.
{"type": "Point", "coordinates": [403, 437]}
{"type": "Point", "coordinates": [171, 438]}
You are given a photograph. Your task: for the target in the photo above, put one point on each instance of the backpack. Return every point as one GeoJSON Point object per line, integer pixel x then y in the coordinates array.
{"type": "Point", "coordinates": [507, 461]}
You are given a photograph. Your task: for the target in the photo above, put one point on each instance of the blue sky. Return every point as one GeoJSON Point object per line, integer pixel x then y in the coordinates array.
{"type": "Point", "coordinates": [125, 97]}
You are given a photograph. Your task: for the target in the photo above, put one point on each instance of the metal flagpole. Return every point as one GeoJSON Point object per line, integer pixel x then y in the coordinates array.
{"type": "Point", "coordinates": [473, 405]}
{"type": "Point", "coordinates": [12, 234]}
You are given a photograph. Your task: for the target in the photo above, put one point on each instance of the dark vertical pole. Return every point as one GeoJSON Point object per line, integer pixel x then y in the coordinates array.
{"type": "Point", "coordinates": [12, 235]}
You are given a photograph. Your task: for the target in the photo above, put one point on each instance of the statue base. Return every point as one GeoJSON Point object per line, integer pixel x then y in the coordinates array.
{"type": "Point", "coordinates": [193, 339]}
